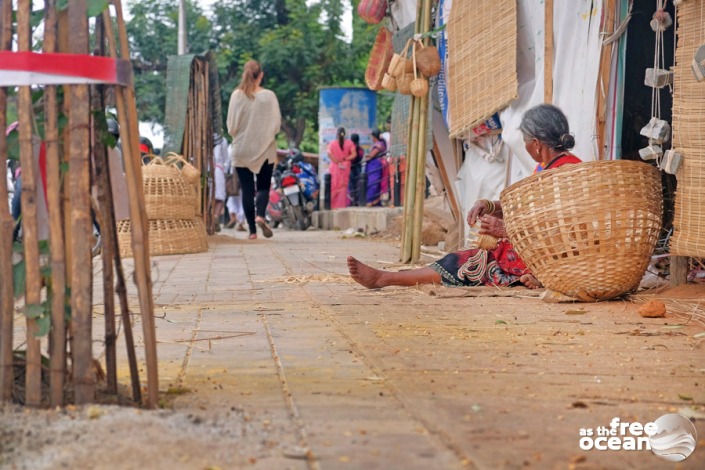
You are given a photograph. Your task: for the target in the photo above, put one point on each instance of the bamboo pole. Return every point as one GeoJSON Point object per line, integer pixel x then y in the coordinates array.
{"type": "Point", "coordinates": [121, 290]}
{"type": "Point", "coordinates": [410, 188]}
{"type": "Point", "coordinates": [107, 217]}
{"type": "Point", "coordinates": [81, 239]}
{"type": "Point", "coordinates": [127, 109]}
{"type": "Point", "coordinates": [7, 377]}
{"type": "Point", "coordinates": [56, 232]}
{"type": "Point", "coordinates": [62, 42]}
{"type": "Point", "coordinates": [608, 19]}
{"type": "Point", "coordinates": [33, 384]}
{"type": "Point", "coordinates": [420, 189]}
{"type": "Point", "coordinates": [120, 287]}
{"type": "Point", "coordinates": [548, 53]}
{"type": "Point", "coordinates": [420, 186]}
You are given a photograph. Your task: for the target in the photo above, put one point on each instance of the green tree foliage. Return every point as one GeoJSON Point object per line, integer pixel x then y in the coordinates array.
{"type": "Point", "coordinates": [152, 30]}
{"type": "Point", "coordinates": [300, 46]}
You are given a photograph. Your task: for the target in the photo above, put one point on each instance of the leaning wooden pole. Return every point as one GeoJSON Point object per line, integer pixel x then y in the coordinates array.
{"type": "Point", "coordinates": [6, 227]}
{"type": "Point", "coordinates": [410, 187]}
{"type": "Point", "coordinates": [81, 241]}
{"type": "Point", "coordinates": [420, 186]}
{"type": "Point", "coordinates": [56, 230]}
{"type": "Point", "coordinates": [422, 131]}
{"type": "Point", "coordinates": [30, 237]}
{"type": "Point", "coordinates": [128, 112]}
{"type": "Point", "coordinates": [106, 217]}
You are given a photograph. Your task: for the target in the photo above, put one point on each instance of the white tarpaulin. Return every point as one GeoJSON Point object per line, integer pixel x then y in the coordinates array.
{"type": "Point", "coordinates": [575, 70]}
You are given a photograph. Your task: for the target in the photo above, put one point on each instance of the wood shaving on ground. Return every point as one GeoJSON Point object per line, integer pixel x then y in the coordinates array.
{"type": "Point", "coordinates": [479, 291]}
{"type": "Point", "coordinates": [305, 278]}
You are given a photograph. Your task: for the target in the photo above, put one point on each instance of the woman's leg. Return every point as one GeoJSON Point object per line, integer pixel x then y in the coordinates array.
{"type": "Point", "coordinates": [375, 278]}
{"type": "Point", "coordinates": [247, 184]}
{"type": "Point", "coordinates": [264, 183]}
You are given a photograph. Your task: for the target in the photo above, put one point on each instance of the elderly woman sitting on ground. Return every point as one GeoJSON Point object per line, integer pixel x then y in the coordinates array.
{"type": "Point", "coordinates": [548, 141]}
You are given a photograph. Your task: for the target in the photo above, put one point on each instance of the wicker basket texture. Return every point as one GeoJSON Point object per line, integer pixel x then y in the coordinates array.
{"type": "Point", "coordinates": [586, 230]}
{"type": "Point", "coordinates": [166, 237]}
{"type": "Point", "coordinates": [169, 198]}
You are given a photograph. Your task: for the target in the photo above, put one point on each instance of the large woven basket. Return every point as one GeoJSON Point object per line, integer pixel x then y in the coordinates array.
{"type": "Point", "coordinates": [586, 230]}
{"type": "Point", "coordinates": [167, 194]}
{"type": "Point", "coordinates": [166, 237]}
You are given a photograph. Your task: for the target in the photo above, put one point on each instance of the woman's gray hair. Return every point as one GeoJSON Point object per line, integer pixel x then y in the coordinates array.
{"type": "Point", "coordinates": [549, 125]}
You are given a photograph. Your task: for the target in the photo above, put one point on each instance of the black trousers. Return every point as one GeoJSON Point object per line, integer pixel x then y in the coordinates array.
{"type": "Point", "coordinates": [255, 192]}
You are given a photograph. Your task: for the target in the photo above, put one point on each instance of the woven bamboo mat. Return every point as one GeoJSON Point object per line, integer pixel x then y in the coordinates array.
{"type": "Point", "coordinates": [689, 134]}
{"type": "Point", "coordinates": [400, 107]}
{"type": "Point", "coordinates": [482, 75]}
{"type": "Point", "coordinates": [178, 77]}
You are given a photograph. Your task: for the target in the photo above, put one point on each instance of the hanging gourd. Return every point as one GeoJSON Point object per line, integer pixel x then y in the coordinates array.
{"type": "Point", "coordinates": [372, 11]}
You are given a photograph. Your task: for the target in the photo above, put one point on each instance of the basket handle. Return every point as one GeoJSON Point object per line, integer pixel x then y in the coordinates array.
{"type": "Point", "coordinates": [153, 160]}
{"type": "Point", "coordinates": [405, 50]}
{"type": "Point", "coordinates": [174, 158]}
{"type": "Point", "coordinates": [413, 57]}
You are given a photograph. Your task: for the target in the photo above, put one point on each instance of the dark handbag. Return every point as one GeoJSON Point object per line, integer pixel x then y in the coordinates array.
{"type": "Point", "coordinates": [232, 184]}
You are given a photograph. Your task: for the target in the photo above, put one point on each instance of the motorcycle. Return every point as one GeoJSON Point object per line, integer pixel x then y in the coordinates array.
{"type": "Point", "coordinates": [297, 187]}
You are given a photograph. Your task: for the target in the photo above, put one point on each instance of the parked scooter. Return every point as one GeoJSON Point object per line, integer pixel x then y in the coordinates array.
{"type": "Point", "coordinates": [297, 189]}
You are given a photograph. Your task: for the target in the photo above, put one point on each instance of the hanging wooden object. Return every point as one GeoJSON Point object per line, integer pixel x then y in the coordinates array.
{"type": "Point", "coordinates": [372, 11]}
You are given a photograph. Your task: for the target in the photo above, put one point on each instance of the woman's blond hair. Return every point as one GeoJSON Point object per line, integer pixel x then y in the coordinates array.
{"type": "Point", "coordinates": [248, 83]}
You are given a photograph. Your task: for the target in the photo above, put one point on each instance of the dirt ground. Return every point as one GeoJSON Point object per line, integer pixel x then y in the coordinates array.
{"type": "Point", "coordinates": [272, 358]}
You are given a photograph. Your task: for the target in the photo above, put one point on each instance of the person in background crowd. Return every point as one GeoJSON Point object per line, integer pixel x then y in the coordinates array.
{"type": "Point", "coordinates": [386, 135]}
{"type": "Point", "coordinates": [220, 157]}
{"type": "Point", "coordinates": [377, 171]}
{"type": "Point", "coordinates": [341, 152]}
{"type": "Point", "coordinates": [548, 141]}
{"type": "Point", "coordinates": [355, 170]}
{"type": "Point", "coordinates": [254, 119]}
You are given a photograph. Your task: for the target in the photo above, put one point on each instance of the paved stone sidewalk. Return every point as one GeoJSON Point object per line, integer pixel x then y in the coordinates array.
{"type": "Point", "coordinates": [399, 378]}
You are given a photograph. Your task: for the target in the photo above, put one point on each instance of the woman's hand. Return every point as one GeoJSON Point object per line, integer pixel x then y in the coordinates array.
{"type": "Point", "coordinates": [491, 225]}
{"type": "Point", "coordinates": [478, 210]}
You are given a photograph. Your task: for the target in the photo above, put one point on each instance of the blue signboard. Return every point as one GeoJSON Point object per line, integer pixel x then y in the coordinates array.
{"type": "Point", "coordinates": [355, 109]}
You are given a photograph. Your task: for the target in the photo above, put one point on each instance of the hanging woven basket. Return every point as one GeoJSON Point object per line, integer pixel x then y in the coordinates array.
{"type": "Point", "coordinates": [389, 83]}
{"type": "Point", "coordinates": [586, 230]}
{"type": "Point", "coordinates": [400, 62]}
{"type": "Point", "coordinates": [372, 11]}
{"type": "Point", "coordinates": [419, 85]}
{"type": "Point", "coordinates": [404, 83]}
{"type": "Point", "coordinates": [427, 60]}
{"type": "Point", "coordinates": [380, 56]}
{"type": "Point", "coordinates": [166, 237]}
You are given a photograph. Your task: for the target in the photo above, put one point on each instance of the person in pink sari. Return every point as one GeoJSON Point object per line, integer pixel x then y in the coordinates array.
{"type": "Point", "coordinates": [341, 153]}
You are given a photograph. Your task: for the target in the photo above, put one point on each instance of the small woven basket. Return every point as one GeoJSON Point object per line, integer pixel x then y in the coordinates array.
{"type": "Point", "coordinates": [427, 60]}
{"type": "Point", "coordinates": [587, 230]}
{"type": "Point", "coordinates": [400, 62]}
{"type": "Point", "coordinates": [419, 85]}
{"type": "Point", "coordinates": [189, 172]}
{"type": "Point", "coordinates": [166, 237]}
{"type": "Point", "coordinates": [404, 83]}
{"type": "Point", "coordinates": [389, 83]}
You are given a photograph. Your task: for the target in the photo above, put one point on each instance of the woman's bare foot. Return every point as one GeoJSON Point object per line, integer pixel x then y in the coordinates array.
{"type": "Point", "coordinates": [530, 281]}
{"type": "Point", "coordinates": [365, 275]}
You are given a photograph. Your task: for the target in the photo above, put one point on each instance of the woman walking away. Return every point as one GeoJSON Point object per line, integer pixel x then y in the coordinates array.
{"type": "Point", "coordinates": [355, 170]}
{"type": "Point", "coordinates": [253, 121]}
{"type": "Point", "coordinates": [548, 141]}
{"type": "Point", "coordinates": [377, 171]}
{"type": "Point", "coordinates": [341, 152]}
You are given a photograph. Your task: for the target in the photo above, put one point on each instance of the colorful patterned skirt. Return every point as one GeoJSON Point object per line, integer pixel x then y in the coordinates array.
{"type": "Point", "coordinates": [475, 267]}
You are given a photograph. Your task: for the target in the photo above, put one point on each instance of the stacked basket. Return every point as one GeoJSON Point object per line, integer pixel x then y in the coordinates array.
{"type": "Point", "coordinates": [170, 203]}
